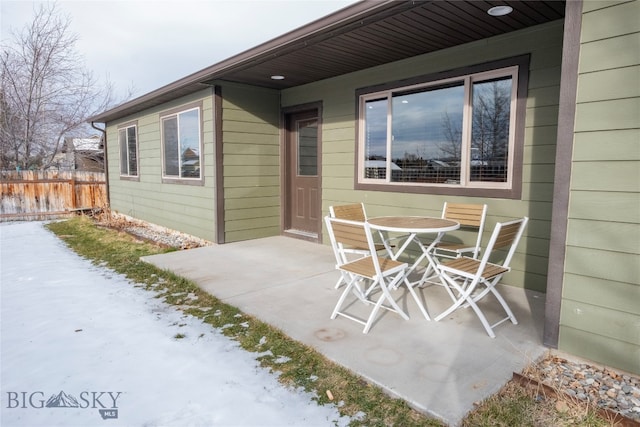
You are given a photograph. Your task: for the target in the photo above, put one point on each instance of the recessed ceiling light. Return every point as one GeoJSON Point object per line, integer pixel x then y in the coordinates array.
{"type": "Point", "coordinates": [277, 77]}
{"type": "Point", "coordinates": [500, 10]}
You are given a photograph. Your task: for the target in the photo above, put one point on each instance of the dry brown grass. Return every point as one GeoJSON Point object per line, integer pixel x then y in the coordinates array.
{"type": "Point", "coordinates": [530, 403]}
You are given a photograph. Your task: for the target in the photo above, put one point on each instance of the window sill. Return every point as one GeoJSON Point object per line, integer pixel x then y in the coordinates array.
{"type": "Point", "coordinates": [183, 181]}
{"type": "Point", "coordinates": [498, 193]}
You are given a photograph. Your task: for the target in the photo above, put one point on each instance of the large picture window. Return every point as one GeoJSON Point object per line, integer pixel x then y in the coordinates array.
{"type": "Point", "coordinates": [128, 142]}
{"type": "Point", "coordinates": [457, 132]}
{"type": "Point", "coordinates": [182, 156]}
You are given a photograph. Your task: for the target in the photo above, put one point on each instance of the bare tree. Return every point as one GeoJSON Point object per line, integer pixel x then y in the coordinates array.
{"type": "Point", "coordinates": [46, 92]}
{"type": "Point", "coordinates": [490, 130]}
{"type": "Point", "coordinates": [452, 131]}
{"type": "Point", "coordinates": [490, 123]}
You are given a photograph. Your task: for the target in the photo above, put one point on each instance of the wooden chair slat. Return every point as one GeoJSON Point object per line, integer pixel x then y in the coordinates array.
{"type": "Point", "coordinates": [352, 212]}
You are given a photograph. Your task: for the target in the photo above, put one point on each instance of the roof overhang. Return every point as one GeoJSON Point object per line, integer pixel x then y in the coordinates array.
{"type": "Point", "coordinates": [363, 35]}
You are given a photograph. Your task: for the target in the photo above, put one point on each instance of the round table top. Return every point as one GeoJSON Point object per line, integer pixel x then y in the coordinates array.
{"type": "Point", "coordinates": [413, 224]}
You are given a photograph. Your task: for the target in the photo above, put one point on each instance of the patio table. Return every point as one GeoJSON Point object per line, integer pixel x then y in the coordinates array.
{"type": "Point", "coordinates": [409, 227]}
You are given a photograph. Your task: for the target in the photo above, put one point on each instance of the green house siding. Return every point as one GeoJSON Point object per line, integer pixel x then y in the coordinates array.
{"type": "Point", "coordinates": [600, 314]}
{"type": "Point", "coordinates": [186, 208]}
{"type": "Point", "coordinates": [251, 162]}
{"type": "Point", "coordinates": [544, 44]}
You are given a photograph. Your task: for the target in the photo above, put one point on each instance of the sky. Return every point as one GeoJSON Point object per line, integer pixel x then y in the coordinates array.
{"type": "Point", "coordinates": [143, 44]}
{"type": "Point", "coordinates": [81, 332]}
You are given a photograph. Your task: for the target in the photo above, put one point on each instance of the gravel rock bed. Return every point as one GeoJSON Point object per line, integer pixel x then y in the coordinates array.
{"type": "Point", "coordinates": [147, 231]}
{"type": "Point", "coordinates": [606, 388]}
{"type": "Point", "coordinates": [166, 238]}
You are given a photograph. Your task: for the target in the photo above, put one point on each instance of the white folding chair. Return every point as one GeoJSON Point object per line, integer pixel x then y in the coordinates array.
{"type": "Point", "coordinates": [471, 217]}
{"type": "Point", "coordinates": [464, 276]}
{"type": "Point", "coordinates": [351, 212]}
{"type": "Point", "coordinates": [380, 273]}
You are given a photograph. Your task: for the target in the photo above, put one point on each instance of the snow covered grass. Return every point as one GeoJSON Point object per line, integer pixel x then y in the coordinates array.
{"type": "Point", "coordinates": [296, 364]}
{"type": "Point", "coordinates": [81, 345]}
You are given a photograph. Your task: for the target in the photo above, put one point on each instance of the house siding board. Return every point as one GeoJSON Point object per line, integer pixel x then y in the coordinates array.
{"type": "Point", "coordinates": [608, 145]}
{"type": "Point", "coordinates": [251, 161]}
{"type": "Point", "coordinates": [607, 294]}
{"type": "Point", "coordinates": [615, 176]}
{"type": "Point", "coordinates": [257, 233]}
{"type": "Point", "coordinates": [538, 192]}
{"type": "Point", "coordinates": [542, 116]}
{"type": "Point", "coordinates": [608, 206]}
{"type": "Point", "coordinates": [238, 193]}
{"type": "Point", "coordinates": [252, 158]}
{"type": "Point", "coordinates": [543, 97]}
{"type": "Point", "coordinates": [609, 351]}
{"type": "Point", "coordinates": [538, 173]}
{"type": "Point", "coordinates": [245, 129]}
{"type": "Point", "coordinates": [540, 135]}
{"type": "Point", "coordinates": [545, 77]}
{"type": "Point", "coordinates": [263, 212]}
{"type": "Point", "coordinates": [603, 264]}
{"type": "Point", "coordinates": [616, 52]}
{"type": "Point", "coordinates": [252, 201]}
{"type": "Point", "coordinates": [606, 85]}
{"type": "Point", "coordinates": [605, 235]}
{"type": "Point", "coordinates": [253, 169]}
{"type": "Point", "coordinates": [609, 114]}
{"type": "Point", "coordinates": [592, 5]}
{"type": "Point", "coordinates": [236, 144]}
{"type": "Point", "coordinates": [598, 320]}
{"type": "Point", "coordinates": [606, 21]}
{"type": "Point", "coordinates": [251, 181]}
{"type": "Point", "coordinates": [540, 154]}
{"type": "Point", "coordinates": [254, 223]}
{"type": "Point", "coordinates": [186, 208]}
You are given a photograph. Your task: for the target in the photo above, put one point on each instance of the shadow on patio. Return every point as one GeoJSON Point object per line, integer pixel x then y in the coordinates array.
{"type": "Point", "coordinates": [439, 368]}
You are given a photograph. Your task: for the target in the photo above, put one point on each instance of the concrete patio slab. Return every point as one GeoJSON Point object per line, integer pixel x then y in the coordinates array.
{"type": "Point", "coordinates": [439, 368]}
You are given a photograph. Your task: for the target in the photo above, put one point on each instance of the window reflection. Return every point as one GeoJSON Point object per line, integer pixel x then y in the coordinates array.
{"type": "Point", "coordinates": [375, 138]}
{"type": "Point", "coordinates": [427, 135]}
{"type": "Point", "coordinates": [490, 130]}
{"type": "Point", "coordinates": [455, 132]}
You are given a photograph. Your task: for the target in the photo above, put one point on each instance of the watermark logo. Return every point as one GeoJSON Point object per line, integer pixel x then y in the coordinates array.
{"type": "Point", "coordinates": [106, 402]}
{"type": "Point", "coordinates": [62, 400]}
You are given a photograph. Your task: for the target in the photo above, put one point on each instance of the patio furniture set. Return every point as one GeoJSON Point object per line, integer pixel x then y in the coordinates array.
{"type": "Point", "coordinates": [374, 258]}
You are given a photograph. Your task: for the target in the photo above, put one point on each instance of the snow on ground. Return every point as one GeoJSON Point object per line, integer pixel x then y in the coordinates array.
{"type": "Point", "coordinates": [103, 352]}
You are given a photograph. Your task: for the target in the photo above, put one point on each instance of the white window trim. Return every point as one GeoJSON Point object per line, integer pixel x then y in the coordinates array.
{"type": "Point", "coordinates": [175, 114]}
{"type": "Point", "coordinates": [126, 127]}
{"type": "Point", "coordinates": [465, 182]}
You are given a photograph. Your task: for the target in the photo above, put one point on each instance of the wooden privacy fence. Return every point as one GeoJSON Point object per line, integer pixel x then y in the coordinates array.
{"type": "Point", "coordinates": [28, 195]}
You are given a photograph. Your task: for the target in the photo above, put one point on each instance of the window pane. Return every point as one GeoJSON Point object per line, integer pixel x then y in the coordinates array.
{"type": "Point", "coordinates": [132, 151]}
{"type": "Point", "coordinates": [375, 139]}
{"type": "Point", "coordinates": [427, 135]}
{"type": "Point", "coordinates": [308, 148]}
{"type": "Point", "coordinates": [490, 130]}
{"type": "Point", "coordinates": [170, 141]}
{"type": "Point", "coordinates": [122, 141]}
{"type": "Point", "coordinates": [189, 131]}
